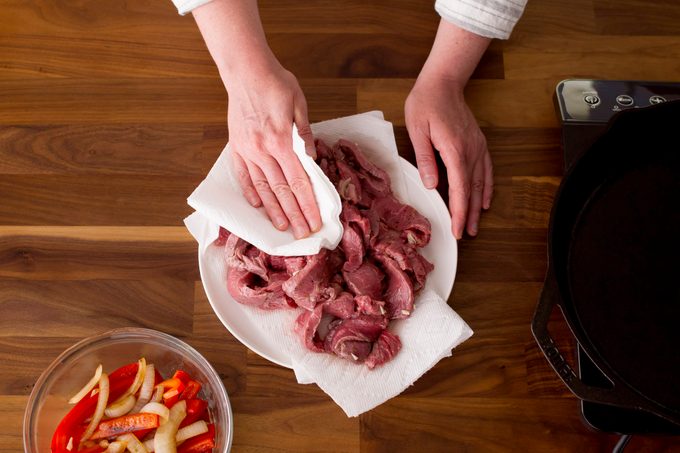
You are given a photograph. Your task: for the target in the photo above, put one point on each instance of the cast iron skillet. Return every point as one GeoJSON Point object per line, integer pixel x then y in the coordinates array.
{"type": "Point", "coordinates": [614, 263]}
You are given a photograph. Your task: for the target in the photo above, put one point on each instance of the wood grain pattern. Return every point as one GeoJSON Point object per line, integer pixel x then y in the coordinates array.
{"type": "Point", "coordinates": [85, 253]}
{"type": "Point", "coordinates": [13, 417]}
{"type": "Point", "coordinates": [447, 424]}
{"type": "Point", "coordinates": [169, 150]}
{"type": "Point", "coordinates": [110, 114]}
{"type": "Point", "coordinates": [82, 308]}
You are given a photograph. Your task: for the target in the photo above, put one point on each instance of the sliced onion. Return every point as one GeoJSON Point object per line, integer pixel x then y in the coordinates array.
{"type": "Point", "coordinates": [104, 443]}
{"type": "Point", "coordinates": [132, 443]}
{"type": "Point", "coordinates": [195, 429]}
{"type": "Point", "coordinates": [101, 406]}
{"type": "Point", "coordinates": [139, 378]}
{"type": "Point", "coordinates": [118, 446]}
{"type": "Point", "coordinates": [158, 394]}
{"type": "Point", "coordinates": [148, 444]}
{"type": "Point", "coordinates": [147, 388]}
{"type": "Point", "coordinates": [164, 441]}
{"type": "Point", "coordinates": [157, 408]}
{"type": "Point", "coordinates": [189, 431]}
{"type": "Point", "coordinates": [120, 407]}
{"type": "Point", "coordinates": [89, 386]}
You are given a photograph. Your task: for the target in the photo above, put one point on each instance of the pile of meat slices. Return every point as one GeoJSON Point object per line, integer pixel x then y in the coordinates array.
{"type": "Point", "coordinates": [348, 295]}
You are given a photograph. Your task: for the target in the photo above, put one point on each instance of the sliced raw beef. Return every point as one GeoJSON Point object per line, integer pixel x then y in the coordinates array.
{"type": "Point", "coordinates": [340, 307]}
{"type": "Point", "coordinates": [374, 180]}
{"type": "Point", "coordinates": [249, 289]}
{"type": "Point", "coordinates": [353, 338]}
{"type": "Point", "coordinates": [365, 281]}
{"type": "Point", "coordinates": [241, 255]}
{"type": "Point", "coordinates": [386, 347]}
{"type": "Point", "coordinates": [346, 296]}
{"type": "Point", "coordinates": [353, 246]}
{"type": "Point", "coordinates": [307, 287]}
{"type": "Point", "coordinates": [369, 306]}
{"type": "Point", "coordinates": [307, 324]}
{"type": "Point", "coordinates": [349, 185]}
{"type": "Point", "coordinates": [354, 218]}
{"type": "Point", "coordinates": [222, 238]}
{"type": "Point", "coordinates": [399, 294]}
{"type": "Point", "coordinates": [406, 256]}
{"type": "Point", "coordinates": [414, 228]}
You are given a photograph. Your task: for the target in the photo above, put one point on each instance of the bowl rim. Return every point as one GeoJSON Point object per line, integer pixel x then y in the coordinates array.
{"type": "Point", "coordinates": [38, 387]}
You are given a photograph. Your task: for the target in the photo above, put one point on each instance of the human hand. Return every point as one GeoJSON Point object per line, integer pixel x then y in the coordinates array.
{"type": "Point", "coordinates": [437, 116]}
{"type": "Point", "coordinates": [263, 105]}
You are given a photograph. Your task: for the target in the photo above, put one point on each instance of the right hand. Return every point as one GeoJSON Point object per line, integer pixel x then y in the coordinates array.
{"type": "Point", "coordinates": [263, 105]}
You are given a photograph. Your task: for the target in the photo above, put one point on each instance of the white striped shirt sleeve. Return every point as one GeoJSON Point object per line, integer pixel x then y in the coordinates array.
{"type": "Point", "coordinates": [490, 18]}
{"type": "Point", "coordinates": [186, 6]}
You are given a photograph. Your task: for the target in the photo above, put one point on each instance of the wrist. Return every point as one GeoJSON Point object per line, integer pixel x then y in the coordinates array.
{"type": "Point", "coordinates": [251, 65]}
{"type": "Point", "coordinates": [436, 74]}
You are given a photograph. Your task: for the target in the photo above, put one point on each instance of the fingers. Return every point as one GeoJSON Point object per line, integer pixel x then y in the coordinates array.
{"type": "Point", "coordinates": [245, 181]}
{"type": "Point", "coordinates": [269, 200]}
{"type": "Point", "coordinates": [488, 181]}
{"type": "Point", "coordinates": [475, 206]}
{"type": "Point", "coordinates": [298, 181]}
{"type": "Point", "coordinates": [281, 188]}
{"type": "Point", "coordinates": [459, 190]}
{"type": "Point", "coordinates": [302, 123]}
{"type": "Point", "coordinates": [427, 165]}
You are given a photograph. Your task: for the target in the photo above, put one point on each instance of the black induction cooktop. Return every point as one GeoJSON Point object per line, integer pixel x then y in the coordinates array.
{"type": "Point", "coordinates": [584, 107]}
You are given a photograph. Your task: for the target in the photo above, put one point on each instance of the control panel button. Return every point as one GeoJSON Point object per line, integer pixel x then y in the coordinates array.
{"type": "Point", "coordinates": [624, 100]}
{"type": "Point", "coordinates": [591, 99]}
{"type": "Point", "coordinates": [657, 99]}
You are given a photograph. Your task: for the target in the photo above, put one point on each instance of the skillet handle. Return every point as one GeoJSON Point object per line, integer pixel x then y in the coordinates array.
{"type": "Point", "coordinates": [619, 395]}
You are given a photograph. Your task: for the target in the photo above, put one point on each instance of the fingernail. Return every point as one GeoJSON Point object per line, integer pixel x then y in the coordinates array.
{"type": "Point", "coordinates": [474, 228]}
{"type": "Point", "coordinates": [487, 204]}
{"type": "Point", "coordinates": [429, 181]}
{"type": "Point", "coordinates": [280, 224]}
{"type": "Point", "coordinates": [316, 227]}
{"type": "Point", "coordinates": [252, 200]}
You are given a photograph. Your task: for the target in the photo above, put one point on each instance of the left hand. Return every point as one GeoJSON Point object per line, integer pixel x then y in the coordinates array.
{"type": "Point", "coordinates": [437, 118]}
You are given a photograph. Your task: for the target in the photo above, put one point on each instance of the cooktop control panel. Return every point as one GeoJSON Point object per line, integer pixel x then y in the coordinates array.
{"type": "Point", "coordinates": [596, 101]}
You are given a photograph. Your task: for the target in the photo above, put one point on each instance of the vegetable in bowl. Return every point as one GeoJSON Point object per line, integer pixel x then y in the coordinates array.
{"type": "Point", "coordinates": [135, 409]}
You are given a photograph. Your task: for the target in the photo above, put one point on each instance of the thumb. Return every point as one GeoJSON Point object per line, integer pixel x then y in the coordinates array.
{"type": "Point", "coordinates": [302, 123]}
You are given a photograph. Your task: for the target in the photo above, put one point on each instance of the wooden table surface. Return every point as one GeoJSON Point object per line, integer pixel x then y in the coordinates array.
{"type": "Point", "coordinates": [111, 113]}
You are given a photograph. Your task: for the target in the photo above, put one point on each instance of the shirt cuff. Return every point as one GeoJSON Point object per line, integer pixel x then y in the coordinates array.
{"type": "Point", "coordinates": [186, 6]}
{"type": "Point", "coordinates": [488, 18]}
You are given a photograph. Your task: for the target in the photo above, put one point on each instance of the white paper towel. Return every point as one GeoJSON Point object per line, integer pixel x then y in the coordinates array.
{"type": "Point", "coordinates": [219, 198]}
{"type": "Point", "coordinates": [428, 335]}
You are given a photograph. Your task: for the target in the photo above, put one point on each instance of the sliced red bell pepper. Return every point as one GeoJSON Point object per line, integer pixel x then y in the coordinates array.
{"type": "Point", "coordinates": [201, 443]}
{"type": "Point", "coordinates": [173, 384]}
{"type": "Point", "coordinates": [195, 410]}
{"type": "Point", "coordinates": [125, 424]}
{"type": "Point", "coordinates": [191, 391]}
{"type": "Point", "coordinates": [119, 381]}
{"type": "Point", "coordinates": [170, 397]}
{"type": "Point", "coordinates": [182, 376]}
{"type": "Point", "coordinates": [142, 433]}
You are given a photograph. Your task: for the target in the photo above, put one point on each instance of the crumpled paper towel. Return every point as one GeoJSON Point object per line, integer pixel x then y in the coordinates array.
{"type": "Point", "coordinates": [428, 335]}
{"type": "Point", "coordinates": [219, 198]}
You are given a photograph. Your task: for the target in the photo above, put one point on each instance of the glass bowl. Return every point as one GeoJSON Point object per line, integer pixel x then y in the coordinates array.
{"type": "Point", "coordinates": [48, 402]}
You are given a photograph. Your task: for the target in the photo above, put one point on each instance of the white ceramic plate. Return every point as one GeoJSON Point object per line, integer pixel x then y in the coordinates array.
{"type": "Point", "coordinates": [442, 251]}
